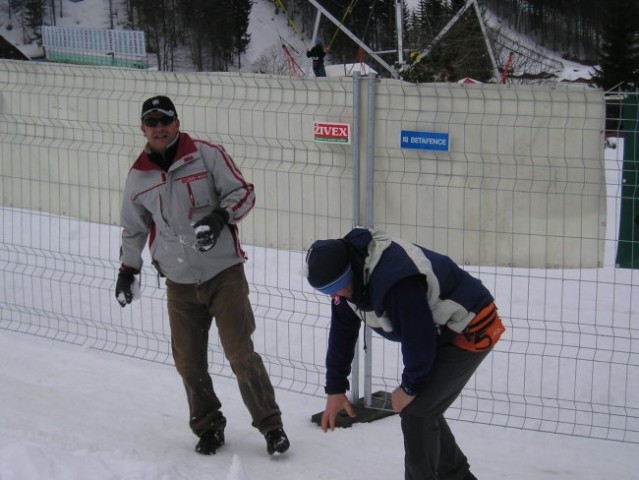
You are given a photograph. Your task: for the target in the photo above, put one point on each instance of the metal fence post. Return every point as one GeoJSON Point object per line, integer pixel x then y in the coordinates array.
{"type": "Point", "coordinates": [370, 168]}
{"type": "Point", "coordinates": [356, 199]}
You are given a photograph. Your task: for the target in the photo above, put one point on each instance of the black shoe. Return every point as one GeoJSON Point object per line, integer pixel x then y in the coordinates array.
{"type": "Point", "coordinates": [209, 442]}
{"type": "Point", "coordinates": [276, 441]}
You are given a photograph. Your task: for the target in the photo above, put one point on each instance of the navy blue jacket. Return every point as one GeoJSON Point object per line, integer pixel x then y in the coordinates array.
{"type": "Point", "coordinates": [407, 294]}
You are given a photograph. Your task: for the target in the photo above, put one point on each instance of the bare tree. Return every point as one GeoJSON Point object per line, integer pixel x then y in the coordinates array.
{"type": "Point", "coordinates": [272, 61]}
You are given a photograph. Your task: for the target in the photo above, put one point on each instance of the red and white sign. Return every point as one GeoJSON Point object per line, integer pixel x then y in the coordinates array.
{"type": "Point", "coordinates": [332, 132]}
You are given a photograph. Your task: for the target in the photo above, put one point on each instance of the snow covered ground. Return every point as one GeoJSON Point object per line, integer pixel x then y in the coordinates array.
{"type": "Point", "coordinates": [75, 413]}
{"type": "Point", "coordinates": [69, 413]}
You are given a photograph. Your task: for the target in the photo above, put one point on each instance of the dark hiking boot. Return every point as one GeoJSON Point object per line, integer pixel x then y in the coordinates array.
{"type": "Point", "coordinates": [209, 442]}
{"type": "Point", "coordinates": [276, 441]}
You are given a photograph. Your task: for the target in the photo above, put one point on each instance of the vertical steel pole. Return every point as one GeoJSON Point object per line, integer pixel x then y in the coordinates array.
{"type": "Point", "coordinates": [399, 21]}
{"type": "Point", "coordinates": [318, 17]}
{"type": "Point", "coordinates": [356, 198]}
{"type": "Point", "coordinates": [357, 90]}
{"type": "Point", "coordinates": [370, 164]}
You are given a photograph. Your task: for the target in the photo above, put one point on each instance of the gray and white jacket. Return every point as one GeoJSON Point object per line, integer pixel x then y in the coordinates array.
{"type": "Point", "coordinates": [161, 207]}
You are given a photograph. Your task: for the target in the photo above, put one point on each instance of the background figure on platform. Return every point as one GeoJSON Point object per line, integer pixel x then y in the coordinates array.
{"type": "Point", "coordinates": [317, 54]}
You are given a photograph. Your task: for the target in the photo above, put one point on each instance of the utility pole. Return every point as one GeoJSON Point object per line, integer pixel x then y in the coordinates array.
{"type": "Point", "coordinates": [53, 12]}
{"type": "Point", "coordinates": [399, 14]}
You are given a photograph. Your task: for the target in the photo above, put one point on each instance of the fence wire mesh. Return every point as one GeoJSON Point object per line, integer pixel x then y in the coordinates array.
{"type": "Point", "coordinates": [569, 362]}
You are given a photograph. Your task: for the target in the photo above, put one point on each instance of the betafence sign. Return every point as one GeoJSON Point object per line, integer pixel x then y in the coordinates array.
{"type": "Point", "coordinates": [332, 132]}
{"type": "Point", "coordinates": [424, 140]}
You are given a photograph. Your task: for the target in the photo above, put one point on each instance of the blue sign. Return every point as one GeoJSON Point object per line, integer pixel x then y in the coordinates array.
{"type": "Point", "coordinates": [424, 140]}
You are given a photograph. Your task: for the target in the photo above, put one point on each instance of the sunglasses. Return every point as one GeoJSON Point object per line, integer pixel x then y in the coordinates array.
{"type": "Point", "coordinates": [153, 122]}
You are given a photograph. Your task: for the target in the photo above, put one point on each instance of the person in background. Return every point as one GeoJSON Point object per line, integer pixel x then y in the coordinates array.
{"type": "Point", "coordinates": [186, 196]}
{"type": "Point", "coordinates": [445, 320]}
{"type": "Point", "coordinates": [317, 54]}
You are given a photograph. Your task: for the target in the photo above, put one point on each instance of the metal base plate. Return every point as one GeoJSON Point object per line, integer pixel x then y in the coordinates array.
{"type": "Point", "coordinates": [380, 408]}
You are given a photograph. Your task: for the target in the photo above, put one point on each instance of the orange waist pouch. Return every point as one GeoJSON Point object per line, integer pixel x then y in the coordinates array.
{"type": "Point", "coordinates": [482, 333]}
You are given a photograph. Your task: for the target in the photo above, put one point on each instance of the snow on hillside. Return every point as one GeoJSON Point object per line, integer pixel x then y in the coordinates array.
{"type": "Point", "coordinates": [532, 59]}
{"type": "Point", "coordinates": [268, 33]}
{"type": "Point", "coordinates": [81, 14]}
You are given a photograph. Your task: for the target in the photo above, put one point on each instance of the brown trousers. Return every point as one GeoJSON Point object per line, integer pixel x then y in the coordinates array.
{"type": "Point", "coordinates": [192, 308]}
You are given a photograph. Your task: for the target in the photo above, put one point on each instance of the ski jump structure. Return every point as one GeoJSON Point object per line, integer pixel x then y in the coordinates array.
{"type": "Point", "coordinates": [397, 72]}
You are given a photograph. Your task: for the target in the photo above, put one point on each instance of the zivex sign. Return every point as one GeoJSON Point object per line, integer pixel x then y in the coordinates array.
{"type": "Point", "coordinates": [332, 132]}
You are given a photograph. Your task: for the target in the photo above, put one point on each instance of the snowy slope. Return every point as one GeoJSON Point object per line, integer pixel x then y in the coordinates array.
{"type": "Point", "coordinates": [268, 33]}
{"type": "Point", "coordinates": [82, 14]}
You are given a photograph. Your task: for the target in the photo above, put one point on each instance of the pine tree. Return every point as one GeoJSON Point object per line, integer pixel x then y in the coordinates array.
{"type": "Point", "coordinates": [31, 18]}
{"type": "Point", "coordinates": [434, 16]}
{"type": "Point", "coordinates": [241, 20]}
{"type": "Point", "coordinates": [158, 18]}
{"type": "Point", "coordinates": [619, 58]}
{"type": "Point", "coordinates": [461, 52]}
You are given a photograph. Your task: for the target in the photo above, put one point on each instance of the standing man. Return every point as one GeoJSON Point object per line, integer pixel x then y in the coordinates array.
{"type": "Point", "coordinates": [186, 197]}
{"type": "Point", "coordinates": [445, 320]}
{"type": "Point", "coordinates": [317, 54]}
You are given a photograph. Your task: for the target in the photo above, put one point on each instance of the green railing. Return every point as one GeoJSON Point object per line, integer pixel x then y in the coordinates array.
{"type": "Point", "coordinates": [628, 247]}
{"type": "Point", "coordinates": [98, 60]}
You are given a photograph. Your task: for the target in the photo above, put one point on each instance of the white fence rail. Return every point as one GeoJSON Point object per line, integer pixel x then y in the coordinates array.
{"type": "Point", "coordinates": [524, 198]}
{"type": "Point", "coordinates": [123, 42]}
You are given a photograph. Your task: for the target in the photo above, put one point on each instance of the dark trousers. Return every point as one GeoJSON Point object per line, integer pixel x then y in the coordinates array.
{"type": "Point", "coordinates": [431, 452]}
{"type": "Point", "coordinates": [191, 310]}
{"type": "Point", "coordinates": [319, 70]}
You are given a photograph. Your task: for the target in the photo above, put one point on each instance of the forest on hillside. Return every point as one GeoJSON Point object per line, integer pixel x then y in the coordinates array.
{"type": "Point", "coordinates": [215, 33]}
{"type": "Point", "coordinates": [591, 32]}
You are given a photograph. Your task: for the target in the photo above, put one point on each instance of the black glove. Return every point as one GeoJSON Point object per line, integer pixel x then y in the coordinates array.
{"type": "Point", "coordinates": [123, 291]}
{"type": "Point", "coordinates": [208, 230]}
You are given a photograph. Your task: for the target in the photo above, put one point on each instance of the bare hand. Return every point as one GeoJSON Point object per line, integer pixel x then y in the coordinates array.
{"type": "Point", "coordinates": [400, 399]}
{"type": "Point", "coordinates": [335, 404]}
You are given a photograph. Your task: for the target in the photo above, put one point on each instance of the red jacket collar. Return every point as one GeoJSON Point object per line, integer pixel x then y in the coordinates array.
{"type": "Point", "coordinates": [186, 149]}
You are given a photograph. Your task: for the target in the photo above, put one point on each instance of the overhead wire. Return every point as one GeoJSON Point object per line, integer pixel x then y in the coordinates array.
{"type": "Point", "coordinates": [291, 21]}
{"type": "Point", "coordinates": [368, 20]}
{"type": "Point", "coordinates": [348, 10]}
{"type": "Point", "coordinates": [360, 50]}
